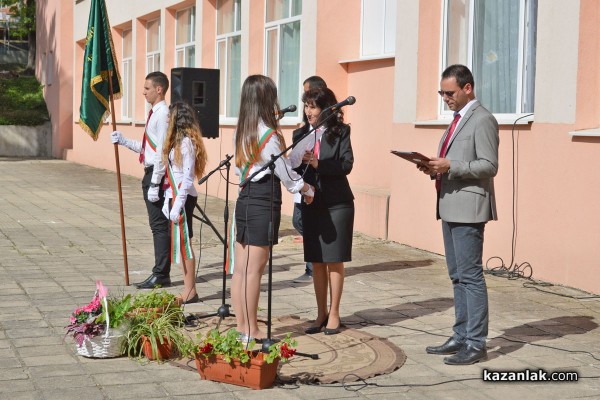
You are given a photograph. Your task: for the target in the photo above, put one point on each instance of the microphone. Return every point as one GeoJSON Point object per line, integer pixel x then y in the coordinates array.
{"type": "Point", "coordinates": [349, 101]}
{"type": "Point", "coordinates": [288, 109]}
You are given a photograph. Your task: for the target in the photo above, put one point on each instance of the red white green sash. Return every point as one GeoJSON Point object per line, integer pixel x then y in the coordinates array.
{"type": "Point", "coordinates": [150, 142]}
{"type": "Point", "coordinates": [245, 172]}
{"type": "Point", "coordinates": [181, 247]}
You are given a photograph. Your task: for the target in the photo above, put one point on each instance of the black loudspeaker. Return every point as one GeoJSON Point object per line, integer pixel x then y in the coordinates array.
{"type": "Point", "coordinates": [199, 87]}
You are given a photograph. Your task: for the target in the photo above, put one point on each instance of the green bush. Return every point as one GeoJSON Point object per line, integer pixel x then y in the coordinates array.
{"type": "Point", "coordinates": [22, 101]}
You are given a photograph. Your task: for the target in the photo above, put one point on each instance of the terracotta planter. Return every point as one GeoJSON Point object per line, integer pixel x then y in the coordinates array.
{"type": "Point", "coordinates": [255, 374]}
{"type": "Point", "coordinates": [164, 350]}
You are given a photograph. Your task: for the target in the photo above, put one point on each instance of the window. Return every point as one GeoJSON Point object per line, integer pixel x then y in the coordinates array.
{"type": "Point", "coordinates": [43, 69]}
{"type": "Point", "coordinates": [50, 68]}
{"type": "Point", "coordinates": [282, 53]}
{"type": "Point", "coordinates": [127, 77]}
{"type": "Point", "coordinates": [378, 32]}
{"type": "Point", "coordinates": [185, 49]}
{"type": "Point", "coordinates": [152, 46]}
{"type": "Point", "coordinates": [496, 39]}
{"type": "Point", "coordinates": [229, 56]}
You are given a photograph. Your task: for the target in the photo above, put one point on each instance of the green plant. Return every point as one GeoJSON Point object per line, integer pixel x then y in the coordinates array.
{"type": "Point", "coordinates": [158, 329]}
{"type": "Point", "coordinates": [284, 349]}
{"type": "Point", "coordinates": [118, 308]}
{"type": "Point", "coordinates": [22, 102]}
{"type": "Point", "coordinates": [153, 299]}
{"type": "Point", "coordinates": [229, 346]}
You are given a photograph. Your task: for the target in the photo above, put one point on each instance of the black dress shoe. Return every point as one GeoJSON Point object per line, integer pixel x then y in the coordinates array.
{"type": "Point", "coordinates": [316, 329]}
{"type": "Point", "coordinates": [154, 281]}
{"type": "Point", "coordinates": [466, 356]}
{"type": "Point", "coordinates": [450, 347]}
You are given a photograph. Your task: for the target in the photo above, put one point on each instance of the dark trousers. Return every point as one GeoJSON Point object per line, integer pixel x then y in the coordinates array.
{"type": "Point", "coordinates": [463, 244]}
{"type": "Point", "coordinates": [160, 226]}
{"type": "Point", "coordinates": [297, 222]}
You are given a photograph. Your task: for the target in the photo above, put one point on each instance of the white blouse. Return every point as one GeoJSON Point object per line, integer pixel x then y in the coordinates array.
{"type": "Point", "coordinates": [283, 170]}
{"type": "Point", "coordinates": [183, 175]}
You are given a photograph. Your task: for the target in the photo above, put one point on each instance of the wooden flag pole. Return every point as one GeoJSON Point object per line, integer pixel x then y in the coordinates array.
{"type": "Point", "coordinates": [114, 125]}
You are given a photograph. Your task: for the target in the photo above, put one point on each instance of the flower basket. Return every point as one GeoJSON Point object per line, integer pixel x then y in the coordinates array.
{"type": "Point", "coordinates": [107, 345]}
{"type": "Point", "coordinates": [255, 374]}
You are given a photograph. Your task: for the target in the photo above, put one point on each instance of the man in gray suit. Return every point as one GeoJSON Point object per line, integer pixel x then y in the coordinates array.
{"type": "Point", "coordinates": [464, 174]}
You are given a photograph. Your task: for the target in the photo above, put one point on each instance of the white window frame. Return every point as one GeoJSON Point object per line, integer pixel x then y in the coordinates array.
{"type": "Point", "coordinates": [226, 38]}
{"type": "Point", "coordinates": [276, 26]}
{"type": "Point", "coordinates": [525, 18]}
{"type": "Point", "coordinates": [184, 47]}
{"type": "Point", "coordinates": [126, 78]}
{"type": "Point", "coordinates": [153, 57]}
{"type": "Point", "coordinates": [384, 31]}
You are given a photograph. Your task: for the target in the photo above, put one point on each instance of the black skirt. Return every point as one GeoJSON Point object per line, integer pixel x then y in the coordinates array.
{"type": "Point", "coordinates": [253, 212]}
{"type": "Point", "coordinates": [328, 232]}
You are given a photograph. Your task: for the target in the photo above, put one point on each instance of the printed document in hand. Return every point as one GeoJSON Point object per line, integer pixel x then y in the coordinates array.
{"type": "Point", "coordinates": [306, 144]}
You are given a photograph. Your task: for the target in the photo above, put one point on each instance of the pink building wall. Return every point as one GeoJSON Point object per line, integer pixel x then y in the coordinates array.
{"type": "Point", "coordinates": [54, 66]}
{"type": "Point", "coordinates": [556, 184]}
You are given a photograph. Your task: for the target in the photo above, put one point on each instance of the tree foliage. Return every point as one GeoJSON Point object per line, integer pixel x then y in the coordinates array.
{"type": "Point", "coordinates": [25, 11]}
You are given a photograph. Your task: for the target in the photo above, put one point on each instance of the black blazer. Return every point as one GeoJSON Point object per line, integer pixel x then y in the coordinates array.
{"type": "Point", "coordinates": [335, 163]}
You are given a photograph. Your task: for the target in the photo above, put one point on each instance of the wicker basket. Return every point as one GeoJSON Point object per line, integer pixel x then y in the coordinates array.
{"type": "Point", "coordinates": [107, 345]}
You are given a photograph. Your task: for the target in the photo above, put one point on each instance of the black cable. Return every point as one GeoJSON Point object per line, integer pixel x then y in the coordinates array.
{"type": "Point", "coordinates": [510, 271]}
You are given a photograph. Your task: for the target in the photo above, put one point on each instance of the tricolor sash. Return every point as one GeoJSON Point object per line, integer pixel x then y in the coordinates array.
{"type": "Point", "coordinates": [245, 172]}
{"type": "Point", "coordinates": [181, 248]}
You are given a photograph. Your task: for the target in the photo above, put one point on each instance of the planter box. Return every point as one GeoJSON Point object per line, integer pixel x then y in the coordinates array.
{"type": "Point", "coordinates": [255, 374]}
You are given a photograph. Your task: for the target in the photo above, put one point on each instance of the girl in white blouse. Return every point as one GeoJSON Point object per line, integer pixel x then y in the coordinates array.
{"type": "Point", "coordinates": [256, 139]}
{"type": "Point", "coordinates": [185, 157]}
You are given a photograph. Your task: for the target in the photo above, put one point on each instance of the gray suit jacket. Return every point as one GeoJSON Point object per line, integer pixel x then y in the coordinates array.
{"type": "Point", "coordinates": [467, 192]}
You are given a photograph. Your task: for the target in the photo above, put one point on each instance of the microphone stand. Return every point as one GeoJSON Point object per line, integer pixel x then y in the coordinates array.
{"type": "Point", "coordinates": [271, 165]}
{"type": "Point", "coordinates": [223, 310]}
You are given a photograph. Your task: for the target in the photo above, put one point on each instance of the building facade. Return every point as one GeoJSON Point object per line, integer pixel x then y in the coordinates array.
{"type": "Point", "coordinates": [535, 66]}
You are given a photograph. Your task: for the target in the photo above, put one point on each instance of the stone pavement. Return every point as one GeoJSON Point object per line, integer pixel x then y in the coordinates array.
{"type": "Point", "coordinates": [60, 232]}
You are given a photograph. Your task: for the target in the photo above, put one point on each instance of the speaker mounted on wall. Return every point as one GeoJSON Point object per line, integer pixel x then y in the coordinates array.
{"type": "Point", "coordinates": [199, 87]}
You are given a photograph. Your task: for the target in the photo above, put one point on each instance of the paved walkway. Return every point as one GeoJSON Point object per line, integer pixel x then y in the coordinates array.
{"type": "Point", "coordinates": [59, 233]}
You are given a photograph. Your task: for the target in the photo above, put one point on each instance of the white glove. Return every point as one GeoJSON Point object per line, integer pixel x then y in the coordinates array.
{"type": "Point", "coordinates": [175, 215]}
{"type": "Point", "coordinates": [116, 137]}
{"type": "Point", "coordinates": [309, 193]}
{"type": "Point", "coordinates": [153, 194]}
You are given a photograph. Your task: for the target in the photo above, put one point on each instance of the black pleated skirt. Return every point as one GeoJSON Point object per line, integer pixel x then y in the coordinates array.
{"type": "Point", "coordinates": [328, 232]}
{"type": "Point", "coordinates": [253, 212]}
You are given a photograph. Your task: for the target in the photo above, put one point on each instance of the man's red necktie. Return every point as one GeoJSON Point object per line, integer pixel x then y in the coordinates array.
{"type": "Point", "coordinates": [317, 149]}
{"type": "Point", "coordinates": [144, 140]}
{"type": "Point", "coordinates": [438, 177]}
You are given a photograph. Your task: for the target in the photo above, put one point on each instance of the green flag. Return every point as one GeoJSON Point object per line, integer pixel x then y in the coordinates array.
{"type": "Point", "coordinates": [98, 60]}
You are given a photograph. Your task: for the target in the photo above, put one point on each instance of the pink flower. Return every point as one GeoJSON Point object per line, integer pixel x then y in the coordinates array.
{"type": "Point", "coordinates": [102, 290]}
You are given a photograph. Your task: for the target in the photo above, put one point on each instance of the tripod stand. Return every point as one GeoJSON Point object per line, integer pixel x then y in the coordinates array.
{"type": "Point", "coordinates": [223, 310]}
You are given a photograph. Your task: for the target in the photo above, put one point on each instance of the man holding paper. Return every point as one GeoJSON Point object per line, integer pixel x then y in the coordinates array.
{"type": "Point", "coordinates": [464, 175]}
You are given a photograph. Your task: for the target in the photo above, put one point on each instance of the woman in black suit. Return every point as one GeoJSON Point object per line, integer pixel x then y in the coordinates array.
{"type": "Point", "coordinates": [328, 222]}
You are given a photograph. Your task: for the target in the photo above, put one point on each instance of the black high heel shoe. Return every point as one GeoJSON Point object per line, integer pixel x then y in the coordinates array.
{"type": "Point", "coordinates": [333, 331]}
{"type": "Point", "coordinates": [316, 329]}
